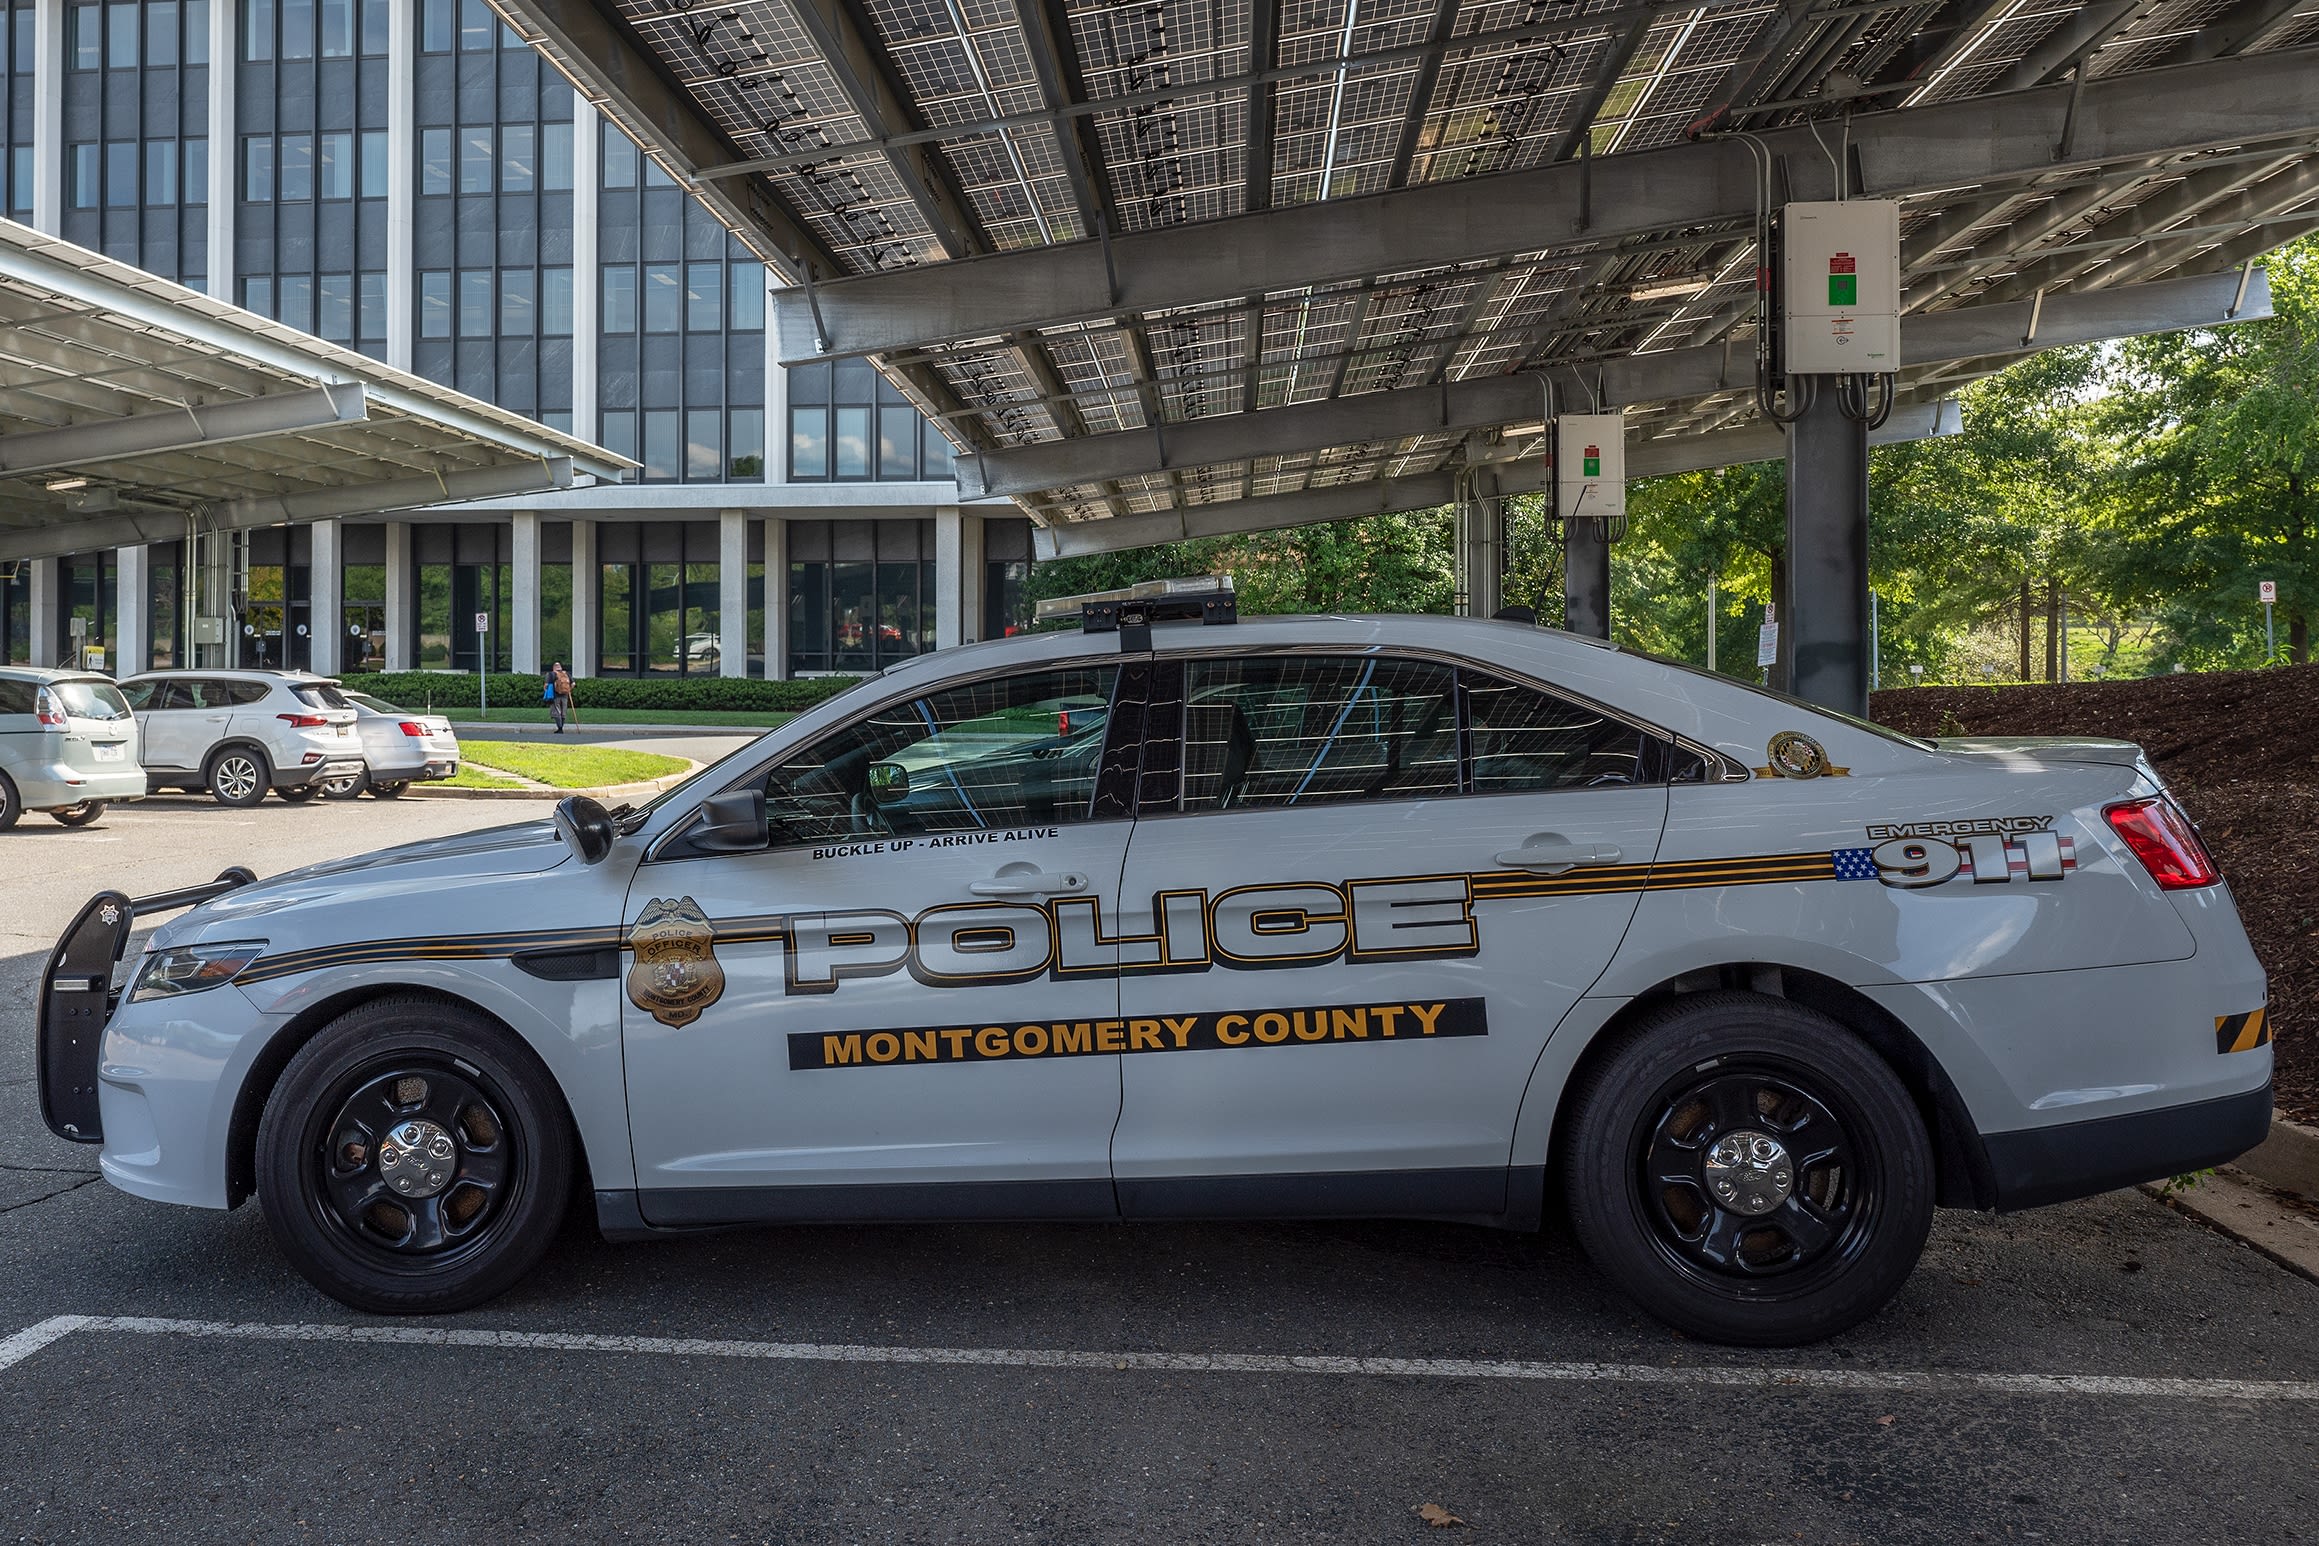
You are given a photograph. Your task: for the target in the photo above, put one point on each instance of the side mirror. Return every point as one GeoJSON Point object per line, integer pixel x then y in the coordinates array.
{"type": "Point", "coordinates": [729, 824]}
{"type": "Point", "coordinates": [585, 826]}
{"type": "Point", "coordinates": [889, 783]}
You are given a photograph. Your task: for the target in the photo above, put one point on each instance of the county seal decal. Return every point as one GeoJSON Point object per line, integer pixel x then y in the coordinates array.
{"type": "Point", "coordinates": [676, 974]}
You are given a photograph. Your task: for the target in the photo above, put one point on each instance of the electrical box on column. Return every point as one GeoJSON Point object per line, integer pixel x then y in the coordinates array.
{"type": "Point", "coordinates": [1840, 288]}
{"type": "Point", "coordinates": [1590, 467]}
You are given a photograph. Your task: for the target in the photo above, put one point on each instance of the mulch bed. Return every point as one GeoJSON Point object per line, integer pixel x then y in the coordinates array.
{"type": "Point", "coordinates": [2241, 749]}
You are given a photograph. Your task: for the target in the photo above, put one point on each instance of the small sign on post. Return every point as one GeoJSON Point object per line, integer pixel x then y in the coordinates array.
{"type": "Point", "coordinates": [482, 665]}
{"type": "Point", "coordinates": [2270, 594]}
{"type": "Point", "coordinates": [1767, 638]}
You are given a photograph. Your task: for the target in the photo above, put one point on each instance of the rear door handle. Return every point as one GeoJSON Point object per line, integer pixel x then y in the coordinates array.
{"type": "Point", "coordinates": [1557, 856]}
{"type": "Point", "coordinates": [1029, 880]}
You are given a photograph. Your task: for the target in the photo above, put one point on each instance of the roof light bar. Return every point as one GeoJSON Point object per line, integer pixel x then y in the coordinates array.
{"type": "Point", "coordinates": [1131, 610]}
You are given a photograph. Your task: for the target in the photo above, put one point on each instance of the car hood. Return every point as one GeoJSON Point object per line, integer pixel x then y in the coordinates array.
{"type": "Point", "coordinates": [411, 869]}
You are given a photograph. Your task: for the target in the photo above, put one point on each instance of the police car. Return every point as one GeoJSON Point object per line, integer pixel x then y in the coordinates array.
{"type": "Point", "coordinates": [1179, 916]}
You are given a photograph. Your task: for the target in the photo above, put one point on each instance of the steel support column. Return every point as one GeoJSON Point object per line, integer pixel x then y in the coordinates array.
{"type": "Point", "coordinates": [1826, 616]}
{"type": "Point", "coordinates": [1586, 578]}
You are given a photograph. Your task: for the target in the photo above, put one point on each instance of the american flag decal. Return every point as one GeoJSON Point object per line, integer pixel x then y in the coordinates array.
{"type": "Point", "coordinates": [1854, 863]}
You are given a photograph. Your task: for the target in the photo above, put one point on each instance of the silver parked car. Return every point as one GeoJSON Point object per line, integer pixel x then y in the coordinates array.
{"type": "Point", "coordinates": [399, 749]}
{"type": "Point", "coordinates": [237, 734]}
{"type": "Point", "coordinates": [68, 746]}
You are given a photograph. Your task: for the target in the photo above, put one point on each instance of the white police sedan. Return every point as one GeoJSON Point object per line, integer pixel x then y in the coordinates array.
{"type": "Point", "coordinates": [1174, 917]}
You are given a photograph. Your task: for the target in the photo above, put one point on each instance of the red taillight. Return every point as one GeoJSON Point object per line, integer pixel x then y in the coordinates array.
{"type": "Point", "coordinates": [1062, 722]}
{"type": "Point", "coordinates": [2163, 839]}
{"type": "Point", "coordinates": [48, 710]}
{"type": "Point", "coordinates": [413, 727]}
{"type": "Point", "coordinates": [303, 721]}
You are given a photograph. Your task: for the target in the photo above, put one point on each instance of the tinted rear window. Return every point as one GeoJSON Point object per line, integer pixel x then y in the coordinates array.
{"type": "Point", "coordinates": [320, 695]}
{"type": "Point", "coordinates": [375, 705]}
{"type": "Point", "coordinates": [16, 697]}
{"type": "Point", "coordinates": [91, 700]}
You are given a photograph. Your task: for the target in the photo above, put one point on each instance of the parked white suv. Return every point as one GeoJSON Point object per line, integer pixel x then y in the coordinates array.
{"type": "Point", "coordinates": [237, 734]}
{"type": "Point", "coordinates": [68, 746]}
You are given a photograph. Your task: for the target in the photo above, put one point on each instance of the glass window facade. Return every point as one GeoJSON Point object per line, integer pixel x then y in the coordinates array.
{"type": "Point", "coordinates": [461, 570]}
{"type": "Point", "coordinates": [848, 424]}
{"type": "Point", "coordinates": [861, 593]}
{"type": "Point", "coordinates": [135, 89]}
{"type": "Point", "coordinates": [657, 599]}
{"type": "Point", "coordinates": [681, 366]}
{"type": "Point", "coordinates": [492, 224]}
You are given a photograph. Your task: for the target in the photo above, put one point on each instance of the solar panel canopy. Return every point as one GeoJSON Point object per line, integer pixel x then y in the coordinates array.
{"type": "Point", "coordinates": [1333, 256]}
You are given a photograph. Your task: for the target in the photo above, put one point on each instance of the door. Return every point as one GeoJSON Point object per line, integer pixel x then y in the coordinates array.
{"type": "Point", "coordinates": [181, 721]}
{"type": "Point", "coordinates": [898, 1008]}
{"type": "Point", "coordinates": [1377, 885]}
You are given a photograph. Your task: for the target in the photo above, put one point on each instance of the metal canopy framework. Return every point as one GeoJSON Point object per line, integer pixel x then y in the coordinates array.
{"type": "Point", "coordinates": [133, 409]}
{"type": "Point", "coordinates": [1169, 265]}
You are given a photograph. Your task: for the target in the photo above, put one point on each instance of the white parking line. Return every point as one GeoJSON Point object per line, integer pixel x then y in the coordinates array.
{"type": "Point", "coordinates": [1919, 1382]}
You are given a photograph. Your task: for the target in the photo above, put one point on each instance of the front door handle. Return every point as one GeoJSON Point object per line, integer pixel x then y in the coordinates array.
{"type": "Point", "coordinates": [1029, 880]}
{"type": "Point", "coordinates": [1553, 854]}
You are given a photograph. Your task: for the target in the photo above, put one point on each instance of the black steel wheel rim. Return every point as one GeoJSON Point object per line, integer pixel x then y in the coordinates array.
{"type": "Point", "coordinates": [400, 1205]}
{"type": "Point", "coordinates": [1833, 1185]}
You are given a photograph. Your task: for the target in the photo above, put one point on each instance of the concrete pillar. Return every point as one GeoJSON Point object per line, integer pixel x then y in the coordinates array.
{"type": "Point", "coordinates": [732, 593]}
{"type": "Point", "coordinates": [402, 180]}
{"type": "Point", "coordinates": [1825, 622]}
{"type": "Point", "coordinates": [1586, 578]}
{"type": "Point", "coordinates": [325, 591]}
{"type": "Point", "coordinates": [1480, 552]}
{"type": "Point", "coordinates": [132, 613]}
{"type": "Point", "coordinates": [48, 162]}
{"type": "Point", "coordinates": [586, 581]}
{"type": "Point", "coordinates": [47, 615]}
{"type": "Point", "coordinates": [587, 277]}
{"type": "Point", "coordinates": [401, 621]}
{"type": "Point", "coordinates": [776, 403]}
{"type": "Point", "coordinates": [776, 596]}
{"type": "Point", "coordinates": [225, 171]}
{"type": "Point", "coordinates": [523, 641]}
{"type": "Point", "coordinates": [949, 578]}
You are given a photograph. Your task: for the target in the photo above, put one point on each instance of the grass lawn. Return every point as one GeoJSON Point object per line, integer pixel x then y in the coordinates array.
{"type": "Point", "coordinates": [470, 776]}
{"type": "Point", "coordinates": [569, 767]}
{"type": "Point", "coordinates": [738, 718]}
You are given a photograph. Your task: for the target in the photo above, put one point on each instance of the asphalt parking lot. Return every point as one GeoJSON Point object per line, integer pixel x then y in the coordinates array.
{"type": "Point", "coordinates": [2103, 1371]}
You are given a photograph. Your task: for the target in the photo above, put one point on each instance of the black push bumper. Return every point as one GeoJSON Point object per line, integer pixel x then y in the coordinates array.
{"type": "Point", "coordinates": [2078, 1159]}
{"type": "Point", "coordinates": [77, 997]}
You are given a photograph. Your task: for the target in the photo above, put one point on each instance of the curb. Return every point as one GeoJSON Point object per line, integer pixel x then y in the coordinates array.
{"type": "Point", "coordinates": [2278, 1225]}
{"type": "Point", "coordinates": [2288, 1159]}
{"type": "Point", "coordinates": [609, 794]}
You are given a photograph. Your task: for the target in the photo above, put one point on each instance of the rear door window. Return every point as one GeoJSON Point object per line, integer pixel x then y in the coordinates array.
{"type": "Point", "coordinates": [243, 694]}
{"type": "Point", "coordinates": [1283, 731]}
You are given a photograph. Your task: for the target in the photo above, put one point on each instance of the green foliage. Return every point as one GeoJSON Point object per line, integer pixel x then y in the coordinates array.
{"type": "Point", "coordinates": [1387, 563]}
{"type": "Point", "coordinates": [437, 690]}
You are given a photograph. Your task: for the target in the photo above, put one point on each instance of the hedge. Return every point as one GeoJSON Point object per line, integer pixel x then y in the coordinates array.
{"type": "Point", "coordinates": [457, 690]}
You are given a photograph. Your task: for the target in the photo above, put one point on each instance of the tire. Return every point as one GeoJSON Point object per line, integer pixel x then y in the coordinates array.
{"type": "Point", "coordinates": [391, 790]}
{"type": "Point", "coordinates": [345, 788]}
{"type": "Point", "coordinates": [238, 777]}
{"type": "Point", "coordinates": [299, 794]}
{"type": "Point", "coordinates": [326, 1166]}
{"type": "Point", "coordinates": [11, 804]}
{"type": "Point", "coordinates": [81, 815]}
{"type": "Point", "coordinates": [1789, 1252]}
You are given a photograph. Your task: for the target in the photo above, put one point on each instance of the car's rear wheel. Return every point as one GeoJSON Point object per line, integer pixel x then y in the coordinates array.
{"type": "Point", "coordinates": [345, 788]}
{"type": "Point", "coordinates": [299, 794]}
{"type": "Point", "coordinates": [11, 805]}
{"type": "Point", "coordinates": [238, 776]}
{"type": "Point", "coordinates": [391, 789]}
{"type": "Point", "coordinates": [79, 815]}
{"type": "Point", "coordinates": [415, 1158]}
{"type": "Point", "coordinates": [1748, 1171]}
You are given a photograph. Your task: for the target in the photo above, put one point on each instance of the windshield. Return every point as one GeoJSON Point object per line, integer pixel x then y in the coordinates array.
{"type": "Point", "coordinates": [319, 695]}
{"type": "Point", "coordinates": [86, 698]}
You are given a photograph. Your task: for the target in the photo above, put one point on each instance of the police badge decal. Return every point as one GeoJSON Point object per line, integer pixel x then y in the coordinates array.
{"type": "Point", "coordinates": [676, 974]}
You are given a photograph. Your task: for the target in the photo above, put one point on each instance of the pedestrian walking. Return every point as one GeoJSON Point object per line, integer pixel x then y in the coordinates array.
{"type": "Point", "coordinates": [558, 688]}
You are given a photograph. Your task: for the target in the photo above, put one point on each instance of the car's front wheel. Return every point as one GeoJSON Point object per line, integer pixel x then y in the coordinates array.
{"type": "Point", "coordinates": [238, 777]}
{"type": "Point", "coordinates": [1748, 1171]}
{"type": "Point", "coordinates": [299, 794]}
{"type": "Point", "coordinates": [415, 1158]}
{"type": "Point", "coordinates": [78, 815]}
{"type": "Point", "coordinates": [345, 788]}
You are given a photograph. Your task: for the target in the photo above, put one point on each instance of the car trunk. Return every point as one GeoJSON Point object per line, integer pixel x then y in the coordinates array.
{"type": "Point", "coordinates": [99, 734]}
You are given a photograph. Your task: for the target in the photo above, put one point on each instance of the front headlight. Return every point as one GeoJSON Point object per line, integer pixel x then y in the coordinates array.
{"type": "Point", "coordinates": [191, 969]}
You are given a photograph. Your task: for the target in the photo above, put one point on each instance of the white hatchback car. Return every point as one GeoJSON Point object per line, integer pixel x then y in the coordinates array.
{"type": "Point", "coordinates": [68, 746]}
{"type": "Point", "coordinates": [237, 734]}
{"type": "Point", "coordinates": [1298, 918]}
